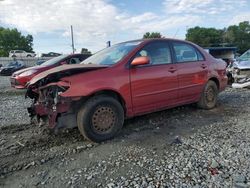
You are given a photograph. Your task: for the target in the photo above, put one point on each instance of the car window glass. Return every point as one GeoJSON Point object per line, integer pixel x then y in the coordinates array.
{"type": "Point", "coordinates": [200, 57]}
{"type": "Point", "coordinates": [74, 61]}
{"type": "Point", "coordinates": [185, 53]}
{"type": "Point", "coordinates": [158, 53]}
{"type": "Point", "coordinates": [112, 55]}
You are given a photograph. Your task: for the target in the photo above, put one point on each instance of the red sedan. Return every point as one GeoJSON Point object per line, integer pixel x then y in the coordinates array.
{"type": "Point", "coordinates": [126, 80]}
{"type": "Point", "coordinates": [20, 78]}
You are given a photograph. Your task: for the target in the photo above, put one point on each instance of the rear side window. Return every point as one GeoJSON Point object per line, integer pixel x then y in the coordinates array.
{"type": "Point", "coordinates": [186, 53]}
{"type": "Point", "coordinates": [158, 53]}
{"type": "Point", "coordinates": [74, 60]}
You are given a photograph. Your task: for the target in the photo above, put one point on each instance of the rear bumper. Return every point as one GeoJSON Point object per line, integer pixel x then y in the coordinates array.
{"type": "Point", "coordinates": [223, 83]}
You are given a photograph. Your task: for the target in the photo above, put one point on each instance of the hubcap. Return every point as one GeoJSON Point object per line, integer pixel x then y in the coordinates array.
{"type": "Point", "coordinates": [210, 96]}
{"type": "Point", "coordinates": [103, 119]}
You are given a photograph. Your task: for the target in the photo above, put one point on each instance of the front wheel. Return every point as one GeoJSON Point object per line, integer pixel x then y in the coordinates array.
{"type": "Point", "coordinates": [100, 118]}
{"type": "Point", "coordinates": [209, 96]}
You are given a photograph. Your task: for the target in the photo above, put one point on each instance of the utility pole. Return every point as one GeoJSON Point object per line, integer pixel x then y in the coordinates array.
{"type": "Point", "coordinates": [72, 38]}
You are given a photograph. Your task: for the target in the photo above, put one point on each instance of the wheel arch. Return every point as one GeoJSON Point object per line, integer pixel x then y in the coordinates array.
{"type": "Point", "coordinates": [111, 93]}
{"type": "Point", "coordinates": [214, 79]}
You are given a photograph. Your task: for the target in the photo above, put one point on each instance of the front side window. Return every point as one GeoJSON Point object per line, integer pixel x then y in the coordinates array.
{"type": "Point", "coordinates": [185, 53]}
{"type": "Point", "coordinates": [158, 53]}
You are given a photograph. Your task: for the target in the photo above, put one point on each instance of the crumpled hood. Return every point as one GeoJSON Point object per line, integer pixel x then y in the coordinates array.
{"type": "Point", "coordinates": [242, 64]}
{"type": "Point", "coordinates": [64, 69]}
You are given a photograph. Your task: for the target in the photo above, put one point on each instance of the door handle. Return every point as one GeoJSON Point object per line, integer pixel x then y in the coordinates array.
{"type": "Point", "coordinates": [172, 69]}
{"type": "Point", "coordinates": [203, 66]}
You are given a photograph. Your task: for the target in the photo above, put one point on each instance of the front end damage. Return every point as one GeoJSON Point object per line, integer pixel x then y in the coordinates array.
{"type": "Point", "coordinates": [239, 73]}
{"type": "Point", "coordinates": [49, 106]}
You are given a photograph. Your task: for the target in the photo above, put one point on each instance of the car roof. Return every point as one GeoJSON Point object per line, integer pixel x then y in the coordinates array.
{"type": "Point", "coordinates": [157, 39]}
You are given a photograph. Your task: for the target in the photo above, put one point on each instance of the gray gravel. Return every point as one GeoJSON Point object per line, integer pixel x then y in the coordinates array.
{"type": "Point", "coordinates": [4, 82]}
{"type": "Point", "coordinates": [181, 147]}
{"type": "Point", "coordinates": [14, 109]}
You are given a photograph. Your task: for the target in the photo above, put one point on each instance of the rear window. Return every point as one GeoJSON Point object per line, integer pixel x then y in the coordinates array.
{"type": "Point", "coordinates": [186, 53]}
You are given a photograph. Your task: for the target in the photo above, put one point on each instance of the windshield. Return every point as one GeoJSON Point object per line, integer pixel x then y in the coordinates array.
{"type": "Point", "coordinates": [13, 63]}
{"type": "Point", "coordinates": [245, 56]}
{"type": "Point", "coordinates": [54, 60]}
{"type": "Point", "coordinates": [111, 55]}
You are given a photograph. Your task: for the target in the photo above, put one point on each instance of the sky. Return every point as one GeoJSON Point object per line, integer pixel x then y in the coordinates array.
{"type": "Point", "coordinates": [97, 21]}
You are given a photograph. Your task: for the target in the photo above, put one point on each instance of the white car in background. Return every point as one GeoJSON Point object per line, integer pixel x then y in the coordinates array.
{"type": "Point", "coordinates": [21, 53]}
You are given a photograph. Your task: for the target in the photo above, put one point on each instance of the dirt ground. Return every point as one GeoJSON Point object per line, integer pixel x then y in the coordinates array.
{"type": "Point", "coordinates": [150, 151]}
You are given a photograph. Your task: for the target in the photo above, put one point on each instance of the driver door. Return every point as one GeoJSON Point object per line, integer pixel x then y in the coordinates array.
{"type": "Point", "coordinates": [154, 86]}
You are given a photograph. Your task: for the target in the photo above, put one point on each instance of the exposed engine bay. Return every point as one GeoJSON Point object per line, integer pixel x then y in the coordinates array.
{"type": "Point", "coordinates": [48, 106]}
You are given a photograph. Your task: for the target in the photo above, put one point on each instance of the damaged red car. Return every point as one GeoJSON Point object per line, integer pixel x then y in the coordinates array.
{"type": "Point", "coordinates": [126, 80]}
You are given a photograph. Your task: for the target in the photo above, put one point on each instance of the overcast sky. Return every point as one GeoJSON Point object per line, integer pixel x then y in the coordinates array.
{"type": "Point", "coordinates": [97, 21]}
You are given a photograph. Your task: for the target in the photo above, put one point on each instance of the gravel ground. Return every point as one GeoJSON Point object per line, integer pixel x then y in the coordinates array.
{"type": "Point", "coordinates": [5, 87]}
{"type": "Point", "coordinates": [4, 82]}
{"type": "Point", "coordinates": [180, 147]}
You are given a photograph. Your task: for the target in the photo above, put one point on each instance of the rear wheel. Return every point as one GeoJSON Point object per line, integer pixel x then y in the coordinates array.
{"type": "Point", "coordinates": [100, 118]}
{"type": "Point", "coordinates": [209, 96]}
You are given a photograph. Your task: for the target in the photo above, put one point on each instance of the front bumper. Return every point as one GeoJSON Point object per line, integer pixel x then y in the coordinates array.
{"type": "Point", "coordinates": [52, 108]}
{"type": "Point", "coordinates": [49, 112]}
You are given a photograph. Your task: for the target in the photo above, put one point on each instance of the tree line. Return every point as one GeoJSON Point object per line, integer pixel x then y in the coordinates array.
{"type": "Point", "coordinates": [234, 35]}
{"type": "Point", "coordinates": [12, 39]}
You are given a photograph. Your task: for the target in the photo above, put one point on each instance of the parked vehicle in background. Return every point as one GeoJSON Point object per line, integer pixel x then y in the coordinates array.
{"type": "Point", "coordinates": [126, 80]}
{"type": "Point", "coordinates": [12, 67]}
{"type": "Point", "coordinates": [39, 62]}
{"type": "Point", "coordinates": [20, 78]}
{"type": "Point", "coordinates": [239, 71]}
{"type": "Point", "coordinates": [50, 54]}
{"type": "Point", "coordinates": [21, 53]}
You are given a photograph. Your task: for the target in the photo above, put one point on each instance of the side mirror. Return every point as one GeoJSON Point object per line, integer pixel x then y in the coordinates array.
{"type": "Point", "coordinates": [140, 61]}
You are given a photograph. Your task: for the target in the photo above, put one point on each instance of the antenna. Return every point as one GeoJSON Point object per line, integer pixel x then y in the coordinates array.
{"type": "Point", "coordinates": [176, 32]}
{"type": "Point", "coordinates": [72, 38]}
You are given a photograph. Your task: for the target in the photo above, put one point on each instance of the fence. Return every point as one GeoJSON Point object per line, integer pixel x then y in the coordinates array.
{"type": "Point", "coordinates": [28, 61]}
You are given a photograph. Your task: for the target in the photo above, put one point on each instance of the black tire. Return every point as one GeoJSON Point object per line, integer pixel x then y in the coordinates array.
{"type": "Point", "coordinates": [13, 56]}
{"type": "Point", "coordinates": [28, 55]}
{"type": "Point", "coordinates": [100, 118]}
{"type": "Point", "coordinates": [209, 96]}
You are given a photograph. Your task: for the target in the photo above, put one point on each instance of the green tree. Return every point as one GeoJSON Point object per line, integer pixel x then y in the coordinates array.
{"type": "Point", "coordinates": [239, 35]}
{"type": "Point", "coordinates": [205, 37]}
{"type": "Point", "coordinates": [234, 35]}
{"type": "Point", "coordinates": [149, 35]}
{"type": "Point", "coordinates": [85, 51]}
{"type": "Point", "coordinates": [12, 39]}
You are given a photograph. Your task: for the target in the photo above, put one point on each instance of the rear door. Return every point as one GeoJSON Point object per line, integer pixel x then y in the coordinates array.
{"type": "Point", "coordinates": [192, 71]}
{"type": "Point", "coordinates": [154, 86]}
